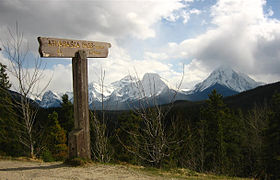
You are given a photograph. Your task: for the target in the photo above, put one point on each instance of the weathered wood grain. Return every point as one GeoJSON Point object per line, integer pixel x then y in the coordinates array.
{"type": "Point", "coordinates": [79, 138]}
{"type": "Point", "coordinates": [66, 48]}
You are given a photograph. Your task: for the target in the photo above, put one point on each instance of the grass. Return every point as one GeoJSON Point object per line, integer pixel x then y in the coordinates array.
{"type": "Point", "coordinates": [182, 173]}
{"type": "Point", "coordinates": [22, 158]}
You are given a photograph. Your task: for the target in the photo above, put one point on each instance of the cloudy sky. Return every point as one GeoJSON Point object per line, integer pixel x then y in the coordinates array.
{"type": "Point", "coordinates": [161, 36]}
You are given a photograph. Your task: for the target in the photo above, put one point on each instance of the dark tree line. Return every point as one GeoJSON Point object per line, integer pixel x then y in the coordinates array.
{"type": "Point", "coordinates": [211, 137]}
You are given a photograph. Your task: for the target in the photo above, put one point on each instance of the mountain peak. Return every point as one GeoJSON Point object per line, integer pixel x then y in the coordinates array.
{"type": "Point", "coordinates": [151, 76]}
{"type": "Point", "coordinates": [49, 93]}
{"type": "Point", "coordinates": [153, 84]}
{"type": "Point", "coordinates": [226, 76]}
{"type": "Point", "coordinates": [50, 99]}
{"type": "Point", "coordinates": [128, 79]}
{"type": "Point", "coordinates": [125, 81]}
{"type": "Point", "coordinates": [224, 69]}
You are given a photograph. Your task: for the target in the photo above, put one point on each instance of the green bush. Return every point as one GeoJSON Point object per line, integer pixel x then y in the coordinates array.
{"type": "Point", "coordinates": [56, 141]}
{"type": "Point", "coordinates": [47, 156]}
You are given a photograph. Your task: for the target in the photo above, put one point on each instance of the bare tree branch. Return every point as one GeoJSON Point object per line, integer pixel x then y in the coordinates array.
{"type": "Point", "coordinates": [151, 142]}
{"type": "Point", "coordinates": [100, 146]}
{"type": "Point", "coordinates": [28, 72]}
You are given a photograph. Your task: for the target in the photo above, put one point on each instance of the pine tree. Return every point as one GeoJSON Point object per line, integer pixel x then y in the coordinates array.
{"type": "Point", "coordinates": [272, 149]}
{"type": "Point", "coordinates": [5, 100]}
{"type": "Point", "coordinates": [8, 140]}
{"type": "Point", "coordinates": [215, 115]}
{"type": "Point", "coordinates": [5, 85]}
{"type": "Point", "coordinates": [56, 142]}
{"type": "Point", "coordinates": [67, 114]}
{"type": "Point", "coordinates": [234, 138]}
{"type": "Point", "coordinates": [201, 143]}
{"type": "Point", "coordinates": [4, 79]}
{"type": "Point", "coordinates": [129, 125]}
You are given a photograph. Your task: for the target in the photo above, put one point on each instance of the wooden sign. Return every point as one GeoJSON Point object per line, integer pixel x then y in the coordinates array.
{"type": "Point", "coordinates": [79, 51]}
{"type": "Point", "coordinates": [66, 48]}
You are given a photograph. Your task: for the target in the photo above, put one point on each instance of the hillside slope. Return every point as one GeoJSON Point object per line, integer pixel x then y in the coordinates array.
{"type": "Point", "coordinates": [243, 100]}
{"type": "Point", "coordinates": [248, 98]}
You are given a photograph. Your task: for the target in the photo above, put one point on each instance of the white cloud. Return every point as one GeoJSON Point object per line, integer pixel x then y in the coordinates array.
{"type": "Point", "coordinates": [195, 11]}
{"type": "Point", "coordinates": [60, 76]}
{"type": "Point", "coordinates": [242, 37]}
{"type": "Point", "coordinates": [80, 19]}
{"type": "Point", "coordinates": [269, 12]}
{"type": "Point", "coordinates": [194, 73]}
{"type": "Point", "coordinates": [116, 66]}
{"type": "Point", "coordinates": [93, 20]}
{"type": "Point", "coordinates": [155, 56]}
{"type": "Point", "coordinates": [187, 14]}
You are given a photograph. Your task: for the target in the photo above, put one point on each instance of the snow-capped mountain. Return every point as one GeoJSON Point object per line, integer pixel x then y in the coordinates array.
{"type": "Point", "coordinates": [120, 93]}
{"type": "Point", "coordinates": [126, 93]}
{"type": "Point", "coordinates": [129, 90]}
{"type": "Point", "coordinates": [225, 80]}
{"type": "Point", "coordinates": [95, 91]}
{"type": "Point", "coordinates": [50, 99]}
{"type": "Point", "coordinates": [124, 89]}
{"type": "Point", "coordinates": [229, 78]}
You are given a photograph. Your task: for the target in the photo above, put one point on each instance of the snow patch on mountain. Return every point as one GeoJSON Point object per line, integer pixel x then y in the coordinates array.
{"type": "Point", "coordinates": [97, 92]}
{"type": "Point", "coordinates": [125, 89]}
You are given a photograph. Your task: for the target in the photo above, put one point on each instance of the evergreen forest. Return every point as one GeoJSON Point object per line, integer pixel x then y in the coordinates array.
{"type": "Point", "coordinates": [234, 136]}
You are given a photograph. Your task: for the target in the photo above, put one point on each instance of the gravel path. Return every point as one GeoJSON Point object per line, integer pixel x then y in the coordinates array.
{"type": "Point", "coordinates": [11, 169]}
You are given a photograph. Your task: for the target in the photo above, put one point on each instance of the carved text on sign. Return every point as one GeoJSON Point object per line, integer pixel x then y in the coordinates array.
{"type": "Point", "coordinates": [73, 44]}
{"type": "Point", "coordinates": [54, 47]}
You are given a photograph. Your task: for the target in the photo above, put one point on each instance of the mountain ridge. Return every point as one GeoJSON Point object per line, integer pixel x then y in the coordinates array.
{"type": "Point", "coordinates": [127, 92]}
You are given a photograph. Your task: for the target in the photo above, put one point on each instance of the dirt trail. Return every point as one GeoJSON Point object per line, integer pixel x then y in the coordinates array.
{"type": "Point", "coordinates": [10, 169]}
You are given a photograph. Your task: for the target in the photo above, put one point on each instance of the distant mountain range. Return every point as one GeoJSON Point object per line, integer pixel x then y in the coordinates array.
{"type": "Point", "coordinates": [129, 92]}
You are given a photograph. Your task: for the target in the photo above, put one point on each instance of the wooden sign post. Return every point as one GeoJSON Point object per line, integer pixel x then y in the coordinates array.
{"type": "Point", "coordinates": [79, 51]}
